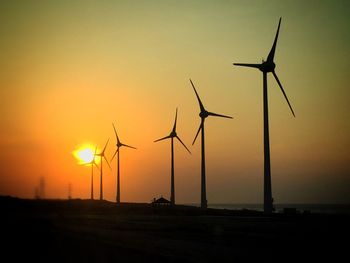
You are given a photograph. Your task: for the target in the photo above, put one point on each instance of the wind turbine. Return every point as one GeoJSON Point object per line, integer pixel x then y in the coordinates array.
{"type": "Point", "coordinates": [119, 144]}
{"type": "Point", "coordinates": [102, 156]}
{"type": "Point", "coordinates": [171, 136]}
{"type": "Point", "coordinates": [267, 67]}
{"type": "Point", "coordinates": [203, 114]}
{"type": "Point", "coordinates": [92, 163]}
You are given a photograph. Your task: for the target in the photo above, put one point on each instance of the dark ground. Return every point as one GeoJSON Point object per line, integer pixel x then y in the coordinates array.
{"type": "Point", "coordinates": [94, 231]}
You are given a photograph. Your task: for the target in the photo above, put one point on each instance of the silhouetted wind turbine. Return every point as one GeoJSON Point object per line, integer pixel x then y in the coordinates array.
{"type": "Point", "coordinates": [119, 144]}
{"type": "Point", "coordinates": [92, 163]}
{"type": "Point", "coordinates": [203, 115]}
{"type": "Point", "coordinates": [171, 136]}
{"type": "Point", "coordinates": [266, 67]}
{"type": "Point", "coordinates": [102, 156]}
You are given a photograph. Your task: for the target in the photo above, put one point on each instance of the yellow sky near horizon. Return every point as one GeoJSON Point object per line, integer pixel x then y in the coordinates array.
{"type": "Point", "coordinates": [71, 68]}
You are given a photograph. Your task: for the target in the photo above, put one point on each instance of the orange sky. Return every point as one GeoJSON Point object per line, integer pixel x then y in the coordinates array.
{"type": "Point", "coordinates": [70, 69]}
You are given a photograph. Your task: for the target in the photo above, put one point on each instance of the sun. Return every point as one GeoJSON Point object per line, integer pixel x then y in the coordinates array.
{"type": "Point", "coordinates": [84, 154]}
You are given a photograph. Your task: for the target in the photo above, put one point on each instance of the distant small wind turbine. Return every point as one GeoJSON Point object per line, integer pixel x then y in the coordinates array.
{"type": "Point", "coordinates": [203, 115]}
{"type": "Point", "coordinates": [266, 67]}
{"type": "Point", "coordinates": [171, 136]}
{"type": "Point", "coordinates": [119, 144]}
{"type": "Point", "coordinates": [102, 156]}
{"type": "Point", "coordinates": [92, 163]}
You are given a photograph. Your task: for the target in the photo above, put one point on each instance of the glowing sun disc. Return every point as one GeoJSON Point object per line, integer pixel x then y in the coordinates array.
{"type": "Point", "coordinates": [84, 155]}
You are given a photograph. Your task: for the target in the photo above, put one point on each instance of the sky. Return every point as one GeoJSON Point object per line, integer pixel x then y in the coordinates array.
{"type": "Point", "coordinates": [69, 69]}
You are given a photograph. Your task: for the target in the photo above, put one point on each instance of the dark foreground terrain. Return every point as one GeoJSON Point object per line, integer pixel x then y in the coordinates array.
{"type": "Point", "coordinates": [100, 231]}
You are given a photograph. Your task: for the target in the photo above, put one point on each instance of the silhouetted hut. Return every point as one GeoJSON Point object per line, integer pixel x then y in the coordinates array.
{"type": "Point", "coordinates": [161, 202]}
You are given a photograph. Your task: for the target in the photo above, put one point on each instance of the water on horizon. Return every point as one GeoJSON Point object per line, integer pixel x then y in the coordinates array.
{"type": "Point", "coordinates": [312, 208]}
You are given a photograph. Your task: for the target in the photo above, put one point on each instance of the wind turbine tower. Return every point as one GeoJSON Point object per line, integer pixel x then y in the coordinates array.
{"type": "Point", "coordinates": [203, 114]}
{"type": "Point", "coordinates": [265, 67]}
{"type": "Point", "coordinates": [171, 136]}
{"type": "Point", "coordinates": [102, 156]}
{"type": "Point", "coordinates": [119, 145]}
{"type": "Point", "coordinates": [92, 163]}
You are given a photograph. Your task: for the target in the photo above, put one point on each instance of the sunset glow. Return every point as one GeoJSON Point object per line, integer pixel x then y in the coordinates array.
{"type": "Point", "coordinates": [69, 69]}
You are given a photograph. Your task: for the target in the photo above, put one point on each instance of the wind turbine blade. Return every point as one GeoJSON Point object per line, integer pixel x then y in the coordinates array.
{"type": "Point", "coordinates": [107, 162]}
{"type": "Point", "coordinates": [105, 147]}
{"type": "Point", "coordinates": [219, 115]}
{"type": "Point", "coordinates": [166, 137]}
{"type": "Point", "coordinates": [273, 49]}
{"type": "Point", "coordinates": [115, 132]}
{"type": "Point", "coordinates": [94, 156]}
{"type": "Point", "coordinates": [174, 128]}
{"type": "Point", "coordinates": [183, 144]}
{"type": "Point", "coordinates": [114, 154]}
{"type": "Point", "coordinates": [285, 95]}
{"type": "Point", "coordinates": [132, 147]}
{"type": "Point", "coordinates": [200, 127]}
{"type": "Point", "coordinates": [248, 65]}
{"type": "Point", "coordinates": [199, 100]}
{"type": "Point", "coordinates": [96, 165]}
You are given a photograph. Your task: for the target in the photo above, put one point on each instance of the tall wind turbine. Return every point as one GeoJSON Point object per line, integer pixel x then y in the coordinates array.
{"type": "Point", "coordinates": [119, 144]}
{"type": "Point", "coordinates": [203, 114]}
{"type": "Point", "coordinates": [267, 67]}
{"type": "Point", "coordinates": [171, 136]}
{"type": "Point", "coordinates": [92, 163]}
{"type": "Point", "coordinates": [102, 156]}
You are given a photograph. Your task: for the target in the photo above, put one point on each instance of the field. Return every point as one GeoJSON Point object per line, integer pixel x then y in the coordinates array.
{"type": "Point", "coordinates": [101, 231]}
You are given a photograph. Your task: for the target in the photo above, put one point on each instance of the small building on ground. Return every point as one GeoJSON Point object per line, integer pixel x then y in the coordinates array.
{"type": "Point", "coordinates": [160, 202]}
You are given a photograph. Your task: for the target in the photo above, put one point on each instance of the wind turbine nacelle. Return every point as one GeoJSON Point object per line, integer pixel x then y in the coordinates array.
{"type": "Point", "coordinates": [173, 134]}
{"type": "Point", "coordinates": [267, 66]}
{"type": "Point", "coordinates": [203, 114]}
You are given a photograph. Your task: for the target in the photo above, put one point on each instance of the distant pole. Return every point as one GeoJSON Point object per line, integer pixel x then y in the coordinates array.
{"type": "Point", "coordinates": [172, 196]}
{"type": "Point", "coordinates": [118, 179]}
{"type": "Point", "coordinates": [36, 193]}
{"type": "Point", "coordinates": [101, 193]}
{"type": "Point", "coordinates": [92, 181]}
{"type": "Point", "coordinates": [42, 187]}
{"type": "Point", "coordinates": [203, 184]}
{"type": "Point", "coordinates": [69, 191]}
{"type": "Point", "coordinates": [268, 205]}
